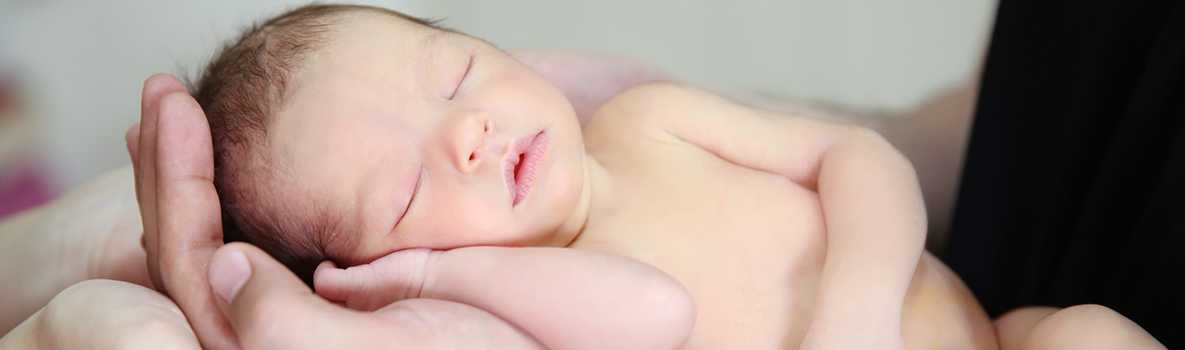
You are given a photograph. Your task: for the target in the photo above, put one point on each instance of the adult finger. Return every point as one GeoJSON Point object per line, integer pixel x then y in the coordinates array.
{"type": "Point", "coordinates": [189, 225]}
{"type": "Point", "coordinates": [132, 137]}
{"type": "Point", "coordinates": [270, 308]}
{"type": "Point", "coordinates": [155, 88]}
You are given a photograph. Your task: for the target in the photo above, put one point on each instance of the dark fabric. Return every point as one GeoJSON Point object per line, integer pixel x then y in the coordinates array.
{"type": "Point", "coordinates": [1073, 190]}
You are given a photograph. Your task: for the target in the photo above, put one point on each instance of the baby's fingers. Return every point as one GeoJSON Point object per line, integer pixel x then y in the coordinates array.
{"type": "Point", "coordinates": [339, 285]}
{"type": "Point", "coordinates": [368, 287]}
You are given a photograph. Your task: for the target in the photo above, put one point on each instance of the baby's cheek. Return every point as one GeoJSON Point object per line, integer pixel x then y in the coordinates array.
{"type": "Point", "coordinates": [481, 226]}
{"type": "Point", "coordinates": [461, 224]}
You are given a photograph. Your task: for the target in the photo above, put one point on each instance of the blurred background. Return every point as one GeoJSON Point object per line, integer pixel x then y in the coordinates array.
{"type": "Point", "coordinates": [71, 70]}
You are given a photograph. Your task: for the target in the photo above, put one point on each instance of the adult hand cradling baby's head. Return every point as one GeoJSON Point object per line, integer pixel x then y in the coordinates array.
{"type": "Point", "coordinates": [174, 166]}
{"type": "Point", "coordinates": [173, 163]}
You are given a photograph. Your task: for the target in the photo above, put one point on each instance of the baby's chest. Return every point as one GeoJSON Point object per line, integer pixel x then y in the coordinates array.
{"type": "Point", "coordinates": [675, 197]}
{"type": "Point", "coordinates": [747, 244]}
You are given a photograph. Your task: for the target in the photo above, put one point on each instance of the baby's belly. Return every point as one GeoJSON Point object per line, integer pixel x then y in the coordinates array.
{"type": "Point", "coordinates": [749, 247]}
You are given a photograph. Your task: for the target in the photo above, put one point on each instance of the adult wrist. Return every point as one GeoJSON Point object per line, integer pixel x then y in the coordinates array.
{"type": "Point", "coordinates": [34, 263]}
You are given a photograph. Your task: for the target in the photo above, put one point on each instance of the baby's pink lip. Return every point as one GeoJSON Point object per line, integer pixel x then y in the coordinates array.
{"type": "Point", "coordinates": [521, 162]}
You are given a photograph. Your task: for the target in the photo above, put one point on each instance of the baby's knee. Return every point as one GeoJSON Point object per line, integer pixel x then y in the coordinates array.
{"type": "Point", "coordinates": [1089, 326]}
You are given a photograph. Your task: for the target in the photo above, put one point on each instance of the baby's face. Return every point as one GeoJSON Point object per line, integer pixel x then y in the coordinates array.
{"type": "Point", "coordinates": [409, 136]}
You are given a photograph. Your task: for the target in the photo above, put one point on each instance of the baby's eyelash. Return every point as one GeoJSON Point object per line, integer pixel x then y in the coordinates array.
{"type": "Point", "coordinates": [415, 190]}
{"type": "Point", "coordinates": [468, 67]}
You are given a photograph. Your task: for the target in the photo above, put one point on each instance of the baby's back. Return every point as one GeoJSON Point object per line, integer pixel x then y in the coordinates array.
{"type": "Point", "coordinates": [748, 245]}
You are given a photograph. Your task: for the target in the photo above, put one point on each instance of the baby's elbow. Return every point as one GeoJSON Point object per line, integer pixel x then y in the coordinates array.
{"type": "Point", "coordinates": [866, 137]}
{"type": "Point", "coordinates": [671, 313]}
{"type": "Point", "coordinates": [871, 146]}
{"type": "Point", "coordinates": [890, 163]}
{"type": "Point", "coordinates": [872, 141]}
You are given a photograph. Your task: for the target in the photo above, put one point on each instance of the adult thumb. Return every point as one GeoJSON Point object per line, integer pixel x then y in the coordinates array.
{"type": "Point", "coordinates": [267, 305]}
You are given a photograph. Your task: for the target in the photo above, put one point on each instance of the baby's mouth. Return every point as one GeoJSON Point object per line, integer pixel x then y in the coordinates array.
{"type": "Point", "coordinates": [521, 164]}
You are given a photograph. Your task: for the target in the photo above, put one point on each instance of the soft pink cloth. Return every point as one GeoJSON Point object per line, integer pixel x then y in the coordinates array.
{"type": "Point", "coordinates": [22, 186]}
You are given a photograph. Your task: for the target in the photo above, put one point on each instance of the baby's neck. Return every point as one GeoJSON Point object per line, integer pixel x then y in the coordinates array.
{"type": "Point", "coordinates": [593, 195]}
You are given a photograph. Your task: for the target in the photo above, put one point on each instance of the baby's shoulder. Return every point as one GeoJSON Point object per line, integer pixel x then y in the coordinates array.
{"type": "Point", "coordinates": [651, 100]}
{"type": "Point", "coordinates": [643, 111]}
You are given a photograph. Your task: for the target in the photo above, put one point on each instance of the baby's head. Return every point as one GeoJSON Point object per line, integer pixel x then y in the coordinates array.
{"type": "Point", "coordinates": [348, 132]}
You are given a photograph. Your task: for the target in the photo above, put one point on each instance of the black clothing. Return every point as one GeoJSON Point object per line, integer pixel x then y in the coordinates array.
{"type": "Point", "coordinates": [1073, 190]}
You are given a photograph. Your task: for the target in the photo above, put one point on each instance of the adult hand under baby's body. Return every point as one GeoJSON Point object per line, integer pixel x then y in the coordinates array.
{"type": "Point", "coordinates": [270, 308]}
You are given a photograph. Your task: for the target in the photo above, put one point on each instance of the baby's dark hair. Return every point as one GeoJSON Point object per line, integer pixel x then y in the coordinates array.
{"type": "Point", "coordinates": [240, 90]}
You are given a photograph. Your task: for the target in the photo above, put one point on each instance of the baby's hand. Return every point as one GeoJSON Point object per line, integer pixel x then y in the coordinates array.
{"type": "Point", "coordinates": [394, 277]}
{"type": "Point", "coordinates": [620, 303]}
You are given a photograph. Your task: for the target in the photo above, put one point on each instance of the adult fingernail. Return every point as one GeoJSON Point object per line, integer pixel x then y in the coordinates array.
{"type": "Point", "coordinates": [228, 272]}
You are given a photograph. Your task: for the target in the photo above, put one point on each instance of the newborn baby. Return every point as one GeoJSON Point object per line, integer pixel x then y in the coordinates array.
{"type": "Point", "coordinates": [437, 166]}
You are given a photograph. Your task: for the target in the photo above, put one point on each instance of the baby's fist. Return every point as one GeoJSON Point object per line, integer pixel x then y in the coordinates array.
{"type": "Point", "coordinates": [394, 277]}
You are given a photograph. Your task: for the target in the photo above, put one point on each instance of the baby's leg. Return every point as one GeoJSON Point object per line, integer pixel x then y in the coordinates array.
{"type": "Point", "coordinates": [1076, 327]}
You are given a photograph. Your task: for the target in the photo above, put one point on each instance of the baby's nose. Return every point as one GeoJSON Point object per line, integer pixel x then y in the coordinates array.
{"type": "Point", "coordinates": [472, 143]}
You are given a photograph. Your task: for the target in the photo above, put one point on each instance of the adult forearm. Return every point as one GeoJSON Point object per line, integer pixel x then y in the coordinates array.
{"type": "Point", "coordinates": [92, 232]}
{"type": "Point", "coordinates": [31, 266]}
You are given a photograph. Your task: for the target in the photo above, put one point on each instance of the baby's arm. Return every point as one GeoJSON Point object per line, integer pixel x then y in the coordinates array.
{"type": "Point", "coordinates": [869, 194]}
{"type": "Point", "coordinates": [564, 298]}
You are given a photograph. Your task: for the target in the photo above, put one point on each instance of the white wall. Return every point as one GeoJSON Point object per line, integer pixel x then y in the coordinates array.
{"type": "Point", "coordinates": [85, 60]}
{"type": "Point", "coordinates": [883, 54]}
